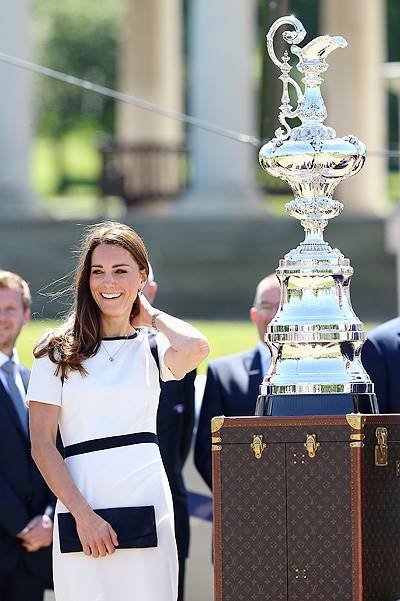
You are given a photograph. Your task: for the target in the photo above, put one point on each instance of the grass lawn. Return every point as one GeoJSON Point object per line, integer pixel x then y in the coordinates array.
{"type": "Point", "coordinates": [225, 337]}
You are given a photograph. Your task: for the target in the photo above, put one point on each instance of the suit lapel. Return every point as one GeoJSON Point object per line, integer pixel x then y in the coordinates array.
{"type": "Point", "coordinates": [8, 405]}
{"type": "Point", "coordinates": [252, 366]}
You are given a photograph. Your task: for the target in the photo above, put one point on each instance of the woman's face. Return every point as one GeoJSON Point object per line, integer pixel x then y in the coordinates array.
{"type": "Point", "coordinates": [115, 279]}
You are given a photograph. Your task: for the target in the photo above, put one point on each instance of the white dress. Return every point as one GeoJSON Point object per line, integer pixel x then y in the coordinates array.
{"type": "Point", "coordinates": [114, 398]}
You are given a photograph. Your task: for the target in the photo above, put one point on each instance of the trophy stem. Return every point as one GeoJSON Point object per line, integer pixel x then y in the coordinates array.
{"type": "Point", "coordinates": [314, 232]}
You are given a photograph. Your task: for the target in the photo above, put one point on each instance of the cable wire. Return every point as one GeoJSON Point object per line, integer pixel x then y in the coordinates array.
{"type": "Point", "coordinates": [151, 106]}
{"type": "Point", "coordinates": [128, 99]}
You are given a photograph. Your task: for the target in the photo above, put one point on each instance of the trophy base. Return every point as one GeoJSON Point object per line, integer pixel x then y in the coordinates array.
{"type": "Point", "coordinates": [316, 404]}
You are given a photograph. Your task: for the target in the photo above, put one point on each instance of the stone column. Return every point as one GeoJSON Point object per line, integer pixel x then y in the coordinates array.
{"type": "Point", "coordinates": [392, 241]}
{"type": "Point", "coordinates": [354, 93]}
{"type": "Point", "coordinates": [391, 74]}
{"type": "Point", "coordinates": [222, 91]}
{"type": "Point", "coordinates": [16, 114]}
{"type": "Point", "coordinates": [151, 68]}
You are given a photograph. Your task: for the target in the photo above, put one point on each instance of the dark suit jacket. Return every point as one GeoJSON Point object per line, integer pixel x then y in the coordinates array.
{"type": "Point", "coordinates": [380, 356]}
{"type": "Point", "coordinates": [175, 420]}
{"type": "Point", "coordinates": [23, 492]}
{"type": "Point", "coordinates": [232, 388]}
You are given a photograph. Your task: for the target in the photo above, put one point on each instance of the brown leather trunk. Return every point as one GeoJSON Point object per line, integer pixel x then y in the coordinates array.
{"type": "Point", "coordinates": [290, 526]}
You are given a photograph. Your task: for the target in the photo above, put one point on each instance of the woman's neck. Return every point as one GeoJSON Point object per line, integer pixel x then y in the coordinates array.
{"type": "Point", "coordinates": [110, 328]}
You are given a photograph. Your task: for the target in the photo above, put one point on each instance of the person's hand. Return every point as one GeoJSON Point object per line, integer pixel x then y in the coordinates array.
{"type": "Point", "coordinates": [37, 533]}
{"type": "Point", "coordinates": [96, 535]}
{"type": "Point", "coordinates": [146, 311]}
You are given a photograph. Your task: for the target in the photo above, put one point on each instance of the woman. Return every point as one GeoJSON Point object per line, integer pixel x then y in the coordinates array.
{"type": "Point", "coordinates": [96, 379]}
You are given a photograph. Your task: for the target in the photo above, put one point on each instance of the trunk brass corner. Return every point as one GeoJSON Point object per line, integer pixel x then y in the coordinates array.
{"type": "Point", "coordinates": [217, 423]}
{"type": "Point", "coordinates": [311, 445]}
{"type": "Point", "coordinates": [356, 421]}
{"type": "Point", "coordinates": [258, 446]}
{"type": "Point", "coordinates": [381, 449]}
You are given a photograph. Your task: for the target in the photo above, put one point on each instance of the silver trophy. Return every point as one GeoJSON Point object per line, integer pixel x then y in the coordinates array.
{"type": "Point", "coordinates": [315, 338]}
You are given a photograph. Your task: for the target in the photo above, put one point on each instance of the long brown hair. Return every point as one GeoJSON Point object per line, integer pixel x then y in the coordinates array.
{"type": "Point", "coordinates": [78, 338]}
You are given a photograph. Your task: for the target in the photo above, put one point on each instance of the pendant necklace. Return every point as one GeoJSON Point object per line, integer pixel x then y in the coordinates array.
{"type": "Point", "coordinates": [111, 357]}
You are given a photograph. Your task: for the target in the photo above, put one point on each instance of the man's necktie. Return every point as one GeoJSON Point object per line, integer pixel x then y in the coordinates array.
{"type": "Point", "coordinates": [9, 368]}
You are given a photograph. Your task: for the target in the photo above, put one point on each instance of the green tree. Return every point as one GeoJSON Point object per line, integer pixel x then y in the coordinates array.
{"type": "Point", "coordinates": [81, 39]}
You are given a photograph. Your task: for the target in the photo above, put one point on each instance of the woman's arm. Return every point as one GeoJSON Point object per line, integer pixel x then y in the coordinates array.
{"type": "Point", "coordinates": [96, 535]}
{"type": "Point", "coordinates": [188, 346]}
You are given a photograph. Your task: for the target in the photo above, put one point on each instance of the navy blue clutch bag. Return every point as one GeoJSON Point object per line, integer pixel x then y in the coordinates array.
{"type": "Point", "coordinates": [135, 527]}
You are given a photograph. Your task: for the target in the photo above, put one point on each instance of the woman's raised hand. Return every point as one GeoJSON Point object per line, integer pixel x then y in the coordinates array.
{"type": "Point", "coordinates": [146, 311]}
{"type": "Point", "coordinates": [96, 535]}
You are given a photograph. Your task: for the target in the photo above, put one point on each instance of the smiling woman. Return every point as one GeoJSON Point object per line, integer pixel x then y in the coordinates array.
{"type": "Point", "coordinates": [115, 279]}
{"type": "Point", "coordinates": [96, 378]}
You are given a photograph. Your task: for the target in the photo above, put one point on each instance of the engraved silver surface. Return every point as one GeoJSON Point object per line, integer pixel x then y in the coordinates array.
{"type": "Point", "coordinates": [315, 338]}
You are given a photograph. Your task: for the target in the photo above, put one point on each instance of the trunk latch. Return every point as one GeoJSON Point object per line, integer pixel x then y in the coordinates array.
{"type": "Point", "coordinates": [311, 445]}
{"type": "Point", "coordinates": [381, 449]}
{"type": "Point", "coordinates": [258, 446]}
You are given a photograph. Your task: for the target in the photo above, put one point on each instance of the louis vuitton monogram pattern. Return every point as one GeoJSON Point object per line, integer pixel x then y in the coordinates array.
{"type": "Point", "coordinates": [287, 521]}
{"type": "Point", "coordinates": [253, 501]}
{"type": "Point", "coordinates": [285, 506]}
{"type": "Point", "coordinates": [382, 521]}
{"type": "Point", "coordinates": [319, 523]}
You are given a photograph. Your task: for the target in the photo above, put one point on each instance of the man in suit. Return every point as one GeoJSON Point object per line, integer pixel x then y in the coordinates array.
{"type": "Point", "coordinates": [26, 504]}
{"type": "Point", "coordinates": [175, 420]}
{"type": "Point", "coordinates": [380, 356]}
{"type": "Point", "coordinates": [232, 384]}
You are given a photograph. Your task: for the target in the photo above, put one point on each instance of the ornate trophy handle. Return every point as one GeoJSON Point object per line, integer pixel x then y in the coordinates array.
{"type": "Point", "coordinates": [291, 37]}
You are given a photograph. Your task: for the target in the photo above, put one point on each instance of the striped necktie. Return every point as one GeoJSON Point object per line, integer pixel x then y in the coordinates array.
{"type": "Point", "coordinates": [9, 369]}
